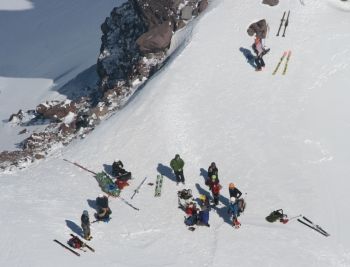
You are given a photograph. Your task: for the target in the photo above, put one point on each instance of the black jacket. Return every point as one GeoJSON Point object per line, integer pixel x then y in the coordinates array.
{"type": "Point", "coordinates": [117, 168]}
{"type": "Point", "coordinates": [102, 202]}
{"type": "Point", "coordinates": [235, 193]}
{"type": "Point", "coordinates": [213, 171]}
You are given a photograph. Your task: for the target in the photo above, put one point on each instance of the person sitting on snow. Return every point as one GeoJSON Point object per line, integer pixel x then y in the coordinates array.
{"type": "Point", "coordinates": [103, 210]}
{"type": "Point", "coordinates": [119, 172]}
{"type": "Point", "coordinates": [191, 212]}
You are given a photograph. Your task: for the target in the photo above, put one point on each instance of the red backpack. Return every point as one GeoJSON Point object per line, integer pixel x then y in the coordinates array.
{"type": "Point", "coordinates": [75, 242]}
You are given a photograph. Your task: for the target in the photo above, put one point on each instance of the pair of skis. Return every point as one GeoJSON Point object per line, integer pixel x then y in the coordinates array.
{"type": "Point", "coordinates": [71, 250]}
{"type": "Point", "coordinates": [307, 222]}
{"type": "Point", "coordinates": [159, 185]}
{"type": "Point", "coordinates": [286, 22]}
{"type": "Point", "coordinates": [94, 173]}
{"type": "Point", "coordinates": [285, 54]}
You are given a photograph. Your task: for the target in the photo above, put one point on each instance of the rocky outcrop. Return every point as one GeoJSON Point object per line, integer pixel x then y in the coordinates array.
{"type": "Point", "coordinates": [56, 110]}
{"type": "Point", "coordinates": [135, 40]}
{"type": "Point", "coordinates": [258, 28]}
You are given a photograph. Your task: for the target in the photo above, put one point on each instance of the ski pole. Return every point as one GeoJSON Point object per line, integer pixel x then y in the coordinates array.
{"type": "Point", "coordinates": [295, 217]}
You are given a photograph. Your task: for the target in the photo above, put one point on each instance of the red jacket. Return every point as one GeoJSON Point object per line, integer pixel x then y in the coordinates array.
{"type": "Point", "coordinates": [215, 189]}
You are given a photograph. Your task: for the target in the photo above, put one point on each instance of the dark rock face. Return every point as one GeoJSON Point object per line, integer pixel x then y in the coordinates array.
{"type": "Point", "coordinates": [119, 51]}
{"type": "Point", "coordinates": [202, 5]}
{"type": "Point", "coordinates": [270, 2]}
{"type": "Point", "coordinates": [259, 28]}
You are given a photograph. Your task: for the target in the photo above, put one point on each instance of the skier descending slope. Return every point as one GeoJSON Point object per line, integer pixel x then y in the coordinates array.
{"type": "Point", "coordinates": [177, 165]}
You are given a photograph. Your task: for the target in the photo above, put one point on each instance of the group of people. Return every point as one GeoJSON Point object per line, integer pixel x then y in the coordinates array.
{"type": "Point", "coordinates": [200, 216]}
{"type": "Point", "coordinates": [103, 210]}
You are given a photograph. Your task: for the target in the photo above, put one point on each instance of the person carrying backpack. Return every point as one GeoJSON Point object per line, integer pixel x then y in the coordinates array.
{"type": "Point", "coordinates": [177, 165]}
{"type": "Point", "coordinates": [85, 225]}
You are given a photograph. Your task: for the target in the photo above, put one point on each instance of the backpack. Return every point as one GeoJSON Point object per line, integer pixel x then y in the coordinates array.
{"type": "Point", "coordinates": [75, 242]}
{"type": "Point", "coordinates": [185, 194]}
{"type": "Point", "coordinates": [275, 215]}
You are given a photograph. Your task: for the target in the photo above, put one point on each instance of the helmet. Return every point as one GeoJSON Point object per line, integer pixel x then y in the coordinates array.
{"type": "Point", "coordinates": [100, 195]}
{"type": "Point", "coordinates": [213, 177]}
{"type": "Point", "coordinates": [177, 156]}
{"type": "Point", "coordinates": [202, 197]}
{"type": "Point", "coordinates": [86, 213]}
{"type": "Point", "coordinates": [213, 164]}
{"type": "Point", "coordinates": [231, 185]}
{"type": "Point", "coordinates": [232, 199]}
{"type": "Point", "coordinates": [116, 160]}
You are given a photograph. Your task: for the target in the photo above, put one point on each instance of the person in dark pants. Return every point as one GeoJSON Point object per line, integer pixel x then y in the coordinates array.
{"type": "Point", "coordinates": [85, 225]}
{"type": "Point", "coordinates": [213, 170]}
{"type": "Point", "coordinates": [177, 165]}
{"type": "Point", "coordinates": [260, 52]}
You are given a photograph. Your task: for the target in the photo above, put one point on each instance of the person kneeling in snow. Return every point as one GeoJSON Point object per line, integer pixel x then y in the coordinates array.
{"type": "Point", "coordinates": [103, 210]}
{"type": "Point", "coordinates": [119, 172]}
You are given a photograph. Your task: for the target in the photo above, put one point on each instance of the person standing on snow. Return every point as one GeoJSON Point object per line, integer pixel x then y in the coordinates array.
{"type": "Point", "coordinates": [213, 170]}
{"type": "Point", "coordinates": [85, 225]}
{"type": "Point", "coordinates": [234, 191]}
{"type": "Point", "coordinates": [233, 209]}
{"type": "Point", "coordinates": [177, 165]}
{"type": "Point", "coordinates": [203, 216]}
{"type": "Point", "coordinates": [260, 52]}
{"type": "Point", "coordinates": [215, 190]}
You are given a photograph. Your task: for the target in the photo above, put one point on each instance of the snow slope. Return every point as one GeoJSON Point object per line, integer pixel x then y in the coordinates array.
{"type": "Point", "coordinates": [281, 139]}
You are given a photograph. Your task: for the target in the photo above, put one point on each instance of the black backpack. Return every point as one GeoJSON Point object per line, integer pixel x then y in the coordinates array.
{"type": "Point", "coordinates": [185, 194]}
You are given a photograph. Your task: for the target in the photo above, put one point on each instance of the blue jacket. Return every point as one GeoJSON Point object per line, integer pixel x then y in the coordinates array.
{"type": "Point", "coordinates": [203, 216]}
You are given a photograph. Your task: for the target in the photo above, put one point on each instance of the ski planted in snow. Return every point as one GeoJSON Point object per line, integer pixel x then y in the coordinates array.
{"type": "Point", "coordinates": [286, 64]}
{"type": "Point", "coordinates": [138, 188]}
{"type": "Point", "coordinates": [66, 247]}
{"type": "Point", "coordinates": [284, 14]}
{"type": "Point", "coordinates": [314, 226]}
{"type": "Point", "coordinates": [286, 25]}
{"type": "Point", "coordinates": [279, 63]}
{"type": "Point", "coordinates": [159, 184]}
{"type": "Point", "coordinates": [84, 244]}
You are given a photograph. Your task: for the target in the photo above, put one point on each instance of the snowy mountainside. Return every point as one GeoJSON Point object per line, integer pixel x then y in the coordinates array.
{"type": "Point", "coordinates": [281, 139]}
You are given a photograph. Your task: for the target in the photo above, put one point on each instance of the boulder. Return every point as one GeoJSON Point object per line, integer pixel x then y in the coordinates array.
{"type": "Point", "coordinates": [186, 13]}
{"type": "Point", "coordinates": [157, 39]}
{"type": "Point", "coordinates": [202, 5]}
{"type": "Point", "coordinates": [259, 28]}
{"type": "Point", "coordinates": [270, 2]}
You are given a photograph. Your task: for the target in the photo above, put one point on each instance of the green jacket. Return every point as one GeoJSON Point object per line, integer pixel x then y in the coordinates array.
{"type": "Point", "coordinates": [177, 164]}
